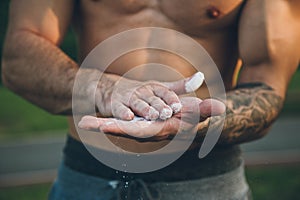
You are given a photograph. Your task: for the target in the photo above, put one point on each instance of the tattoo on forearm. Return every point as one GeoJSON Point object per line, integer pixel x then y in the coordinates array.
{"type": "Point", "coordinates": [251, 109]}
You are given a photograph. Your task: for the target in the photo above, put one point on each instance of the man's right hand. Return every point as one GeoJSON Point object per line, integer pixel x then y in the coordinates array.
{"type": "Point", "coordinates": [123, 98]}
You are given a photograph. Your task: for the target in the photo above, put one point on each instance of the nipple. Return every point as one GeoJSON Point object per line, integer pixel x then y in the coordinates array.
{"type": "Point", "coordinates": [213, 12]}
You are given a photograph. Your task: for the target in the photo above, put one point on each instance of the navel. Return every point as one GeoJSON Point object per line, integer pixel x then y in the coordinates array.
{"type": "Point", "coordinates": [213, 12]}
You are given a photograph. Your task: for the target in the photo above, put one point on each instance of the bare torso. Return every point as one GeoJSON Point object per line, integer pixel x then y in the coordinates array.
{"type": "Point", "coordinates": [211, 23]}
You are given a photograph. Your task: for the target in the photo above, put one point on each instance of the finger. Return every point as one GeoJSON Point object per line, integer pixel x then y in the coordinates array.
{"type": "Point", "coordinates": [89, 123]}
{"type": "Point", "coordinates": [138, 129]}
{"type": "Point", "coordinates": [92, 123]}
{"type": "Point", "coordinates": [146, 94]}
{"type": "Point", "coordinates": [186, 85]}
{"type": "Point", "coordinates": [190, 111]}
{"type": "Point", "coordinates": [119, 110]}
{"type": "Point", "coordinates": [143, 109]}
{"type": "Point", "coordinates": [111, 126]}
{"type": "Point", "coordinates": [164, 110]}
{"type": "Point", "coordinates": [211, 107]}
{"type": "Point", "coordinates": [168, 96]}
{"type": "Point", "coordinates": [190, 104]}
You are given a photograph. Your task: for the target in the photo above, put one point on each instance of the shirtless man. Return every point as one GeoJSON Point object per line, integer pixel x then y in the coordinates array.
{"type": "Point", "coordinates": [264, 34]}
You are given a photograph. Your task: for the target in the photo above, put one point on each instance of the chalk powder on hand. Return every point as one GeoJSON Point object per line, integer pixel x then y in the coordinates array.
{"type": "Point", "coordinates": [190, 86]}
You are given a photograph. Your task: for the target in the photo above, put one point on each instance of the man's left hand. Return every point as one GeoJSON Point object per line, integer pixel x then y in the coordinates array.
{"type": "Point", "coordinates": [186, 120]}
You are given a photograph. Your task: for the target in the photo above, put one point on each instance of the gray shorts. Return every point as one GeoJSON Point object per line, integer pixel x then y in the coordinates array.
{"type": "Point", "coordinates": [73, 185]}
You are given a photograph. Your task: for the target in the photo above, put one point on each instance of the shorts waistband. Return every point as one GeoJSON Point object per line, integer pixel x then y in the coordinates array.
{"type": "Point", "coordinates": [187, 167]}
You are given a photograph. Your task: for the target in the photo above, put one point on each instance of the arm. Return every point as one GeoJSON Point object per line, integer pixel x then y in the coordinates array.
{"type": "Point", "coordinates": [269, 43]}
{"type": "Point", "coordinates": [35, 68]}
{"type": "Point", "coordinates": [33, 65]}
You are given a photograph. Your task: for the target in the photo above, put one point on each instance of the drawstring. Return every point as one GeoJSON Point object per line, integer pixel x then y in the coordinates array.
{"type": "Point", "coordinates": [136, 190]}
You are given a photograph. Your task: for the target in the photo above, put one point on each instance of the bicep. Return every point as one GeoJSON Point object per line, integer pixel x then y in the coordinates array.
{"type": "Point", "coordinates": [269, 42]}
{"type": "Point", "coordinates": [46, 18]}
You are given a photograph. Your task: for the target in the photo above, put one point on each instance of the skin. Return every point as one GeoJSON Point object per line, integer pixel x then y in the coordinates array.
{"type": "Point", "coordinates": [255, 31]}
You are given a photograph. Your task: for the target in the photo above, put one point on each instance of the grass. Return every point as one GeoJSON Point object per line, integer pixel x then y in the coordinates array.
{"type": "Point", "coordinates": [274, 182]}
{"type": "Point", "coordinates": [292, 105]}
{"type": "Point", "coordinates": [267, 183]}
{"type": "Point", "coordinates": [19, 119]}
{"type": "Point", "coordinates": [295, 82]}
{"type": "Point", "coordinates": [32, 192]}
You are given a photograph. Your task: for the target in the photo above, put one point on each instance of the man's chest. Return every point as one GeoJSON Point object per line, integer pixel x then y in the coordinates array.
{"type": "Point", "coordinates": [189, 15]}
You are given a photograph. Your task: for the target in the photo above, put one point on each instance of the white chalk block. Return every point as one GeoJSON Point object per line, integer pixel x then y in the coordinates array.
{"type": "Point", "coordinates": [195, 82]}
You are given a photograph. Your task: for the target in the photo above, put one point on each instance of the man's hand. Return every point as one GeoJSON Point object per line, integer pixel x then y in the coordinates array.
{"type": "Point", "coordinates": [124, 99]}
{"type": "Point", "coordinates": [185, 120]}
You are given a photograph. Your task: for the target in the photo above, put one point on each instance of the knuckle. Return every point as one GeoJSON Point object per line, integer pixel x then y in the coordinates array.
{"type": "Point", "coordinates": [154, 99]}
{"type": "Point", "coordinates": [165, 93]}
{"type": "Point", "coordinates": [142, 90]}
{"type": "Point", "coordinates": [146, 110]}
{"type": "Point", "coordinates": [152, 84]}
{"type": "Point", "coordinates": [136, 102]}
{"type": "Point", "coordinates": [131, 99]}
{"type": "Point", "coordinates": [116, 111]}
{"type": "Point", "coordinates": [140, 106]}
{"type": "Point", "coordinates": [171, 93]}
{"type": "Point", "coordinates": [114, 103]}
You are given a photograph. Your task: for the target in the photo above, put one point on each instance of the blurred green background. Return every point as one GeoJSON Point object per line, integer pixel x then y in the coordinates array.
{"type": "Point", "coordinates": [20, 119]}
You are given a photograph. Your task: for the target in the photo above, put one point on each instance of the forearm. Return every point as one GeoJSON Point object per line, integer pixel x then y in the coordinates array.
{"type": "Point", "coordinates": [251, 109]}
{"type": "Point", "coordinates": [40, 72]}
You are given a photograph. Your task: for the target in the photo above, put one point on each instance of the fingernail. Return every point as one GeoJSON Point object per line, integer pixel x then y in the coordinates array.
{"type": "Point", "coordinates": [165, 114]}
{"type": "Point", "coordinates": [176, 107]}
{"type": "Point", "coordinates": [152, 114]}
{"type": "Point", "coordinates": [195, 82]}
{"type": "Point", "coordinates": [128, 115]}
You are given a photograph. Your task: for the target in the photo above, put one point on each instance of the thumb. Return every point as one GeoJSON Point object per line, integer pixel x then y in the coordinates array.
{"type": "Point", "coordinates": [186, 85]}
